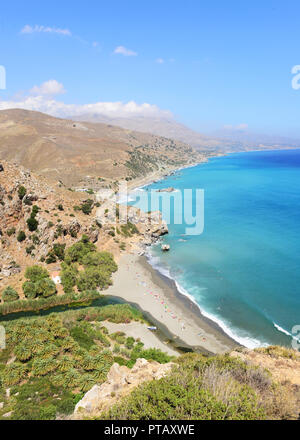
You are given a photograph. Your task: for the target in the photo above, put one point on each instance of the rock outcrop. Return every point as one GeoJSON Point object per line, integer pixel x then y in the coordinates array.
{"type": "Point", "coordinates": [168, 190]}
{"type": "Point", "coordinates": [120, 382]}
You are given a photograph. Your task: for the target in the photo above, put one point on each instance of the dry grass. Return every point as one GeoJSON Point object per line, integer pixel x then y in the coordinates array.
{"type": "Point", "coordinates": [220, 383]}
{"type": "Point", "coordinates": [279, 352]}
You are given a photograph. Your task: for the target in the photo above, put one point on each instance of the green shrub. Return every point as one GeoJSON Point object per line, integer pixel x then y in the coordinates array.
{"type": "Point", "coordinates": [45, 288]}
{"type": "Point", "coordinates": [59, 250]}
{"type": "Point", "coordinates": [130, 342]}
{"type": "Point", "coordinates": [119, 313]}
{"type": "Point", "coordinates": [32, 224]}
{"type": "Point", "coordinates": [76, 252]}
{"type": "Point", "coordinates": [38, 284]}
{"type": "Point", "coordinates": [51, 258]}
{"type": "Point", "coordinates": [21, 236]}
{"type": "Point", "coordinates": [30, 249]}
{"type": "Point", "coordinates": [69, 276]}
{"type": "Point", "coordinates": [93, 278]}
{"type": "Point", "coordinates": [36, 273]}
{"type": "Point", "coordinates": [129, 229]}
{"type": "Point", "coordinates": [151, 354]}
{"type": "Point", "coordinates": [22, 192]}
{"type": "Point", "coordinates": [11, 232]}
{"type": "Point", "coordinates": [35, 239]}
{"type": "Point", "coordinates": [9, 294]}
{"type": "Point", "coordinates": [29, 290]}
{"type": "Point", "coordinates": [67, 406]}
{"type": "Point", "coordinates": [100, 259]}
{"type": "Point", "coordinates": [79, 335]}
{"type": "Point", "coordinates": [48, 412]}
{"type": "Point", "coordinates": [35, 210]}
{"type": "Point", "coordinates": [87, 207]}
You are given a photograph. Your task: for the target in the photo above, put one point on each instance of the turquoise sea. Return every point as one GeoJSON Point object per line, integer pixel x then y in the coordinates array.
{"type": "Point", "coordinates": [244, 269]}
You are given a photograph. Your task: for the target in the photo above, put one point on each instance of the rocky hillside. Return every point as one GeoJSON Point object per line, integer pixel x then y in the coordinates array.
{"type": "Point", "coordinates": [120, 382]}
{"type": "Point", "coordinates": [81, 154]}
{"type": "Point", "coordinates": [245, 385]}
{"type": "Point", "coordinates": [36, 216]}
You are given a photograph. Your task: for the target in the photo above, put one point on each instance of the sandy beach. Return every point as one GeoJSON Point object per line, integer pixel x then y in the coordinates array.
{"type": "Point", "coordinates": [149, 338]}
{"type": "Point", "coordinates": [175, 315]}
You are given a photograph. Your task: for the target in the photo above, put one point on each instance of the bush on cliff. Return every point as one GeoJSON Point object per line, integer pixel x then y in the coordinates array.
{"type": "Point", "coordinates": [9, 294]}
{"type": "Point", "coordinates": [38, 283]}
{"type": "Point", "coordinates": [22, 192]}
{"type": "Point", "coordinates": [32, 224]}
{"type": "Point", "coordinates": [21, 236]}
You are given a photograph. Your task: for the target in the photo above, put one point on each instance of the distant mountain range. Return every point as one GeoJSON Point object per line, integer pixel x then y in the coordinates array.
{"type": "Point", "coordinates": [246, 137]}
{"type": "Point", "coordinates": [221, 141]}
{"type": "Point", "coordinates": [168, 128]}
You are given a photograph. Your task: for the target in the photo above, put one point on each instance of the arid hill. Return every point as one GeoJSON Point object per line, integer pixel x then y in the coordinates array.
{"type": "Point", "coordinates": [81, 153]}
{"type": "Point", "coordinates": [169, 128]}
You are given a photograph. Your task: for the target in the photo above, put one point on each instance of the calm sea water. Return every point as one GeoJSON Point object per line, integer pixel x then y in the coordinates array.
{"type": "Point", "coordinates": [243, 271]}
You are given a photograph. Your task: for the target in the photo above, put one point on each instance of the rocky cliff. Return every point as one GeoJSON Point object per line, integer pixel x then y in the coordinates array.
{"type": "Point", "coordinates": [120, 382]}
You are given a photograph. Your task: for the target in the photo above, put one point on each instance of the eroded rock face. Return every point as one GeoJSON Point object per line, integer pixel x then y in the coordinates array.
{"type": "Point", "coordinates": [120, 382]}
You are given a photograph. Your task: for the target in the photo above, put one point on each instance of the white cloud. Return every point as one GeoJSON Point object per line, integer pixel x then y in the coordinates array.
{"type": "Point", "coordinates": [48, 88]}
{"type": "Point", "coordinates": [45, 29]}
{"type": "Point", "coordinates": [160, 60]}
{"type": "Point", "coordinates": [41, 99]}
{"type": "Point", "coordinates": [242, 127]}
{"type": "Point", "coordinates": [121, 50]}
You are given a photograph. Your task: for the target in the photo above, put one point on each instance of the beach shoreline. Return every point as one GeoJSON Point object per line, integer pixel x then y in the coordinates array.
{"type": "Point", "coordinates": [160, 175]}
{"type": "Point", "coordinates": [213, 338]}
{"type": "Point", "coordinates": [187, 302]}
{"type": "Point", "coordinates": [174, 314]}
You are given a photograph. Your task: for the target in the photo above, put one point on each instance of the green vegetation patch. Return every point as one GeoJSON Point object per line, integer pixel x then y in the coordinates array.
{"type": "Point", "coordinates": [97, 267]}
{"type": "Point", "coordinates": [200, 388]}
{"type": "Point", "coordinates": [38, 283]}
{"type": "Point", "coordinates": [55, 359]}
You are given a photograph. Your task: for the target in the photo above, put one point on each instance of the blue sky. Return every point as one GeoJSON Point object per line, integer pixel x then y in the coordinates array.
{"type": "Point", "coordinates": [212, 64]}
